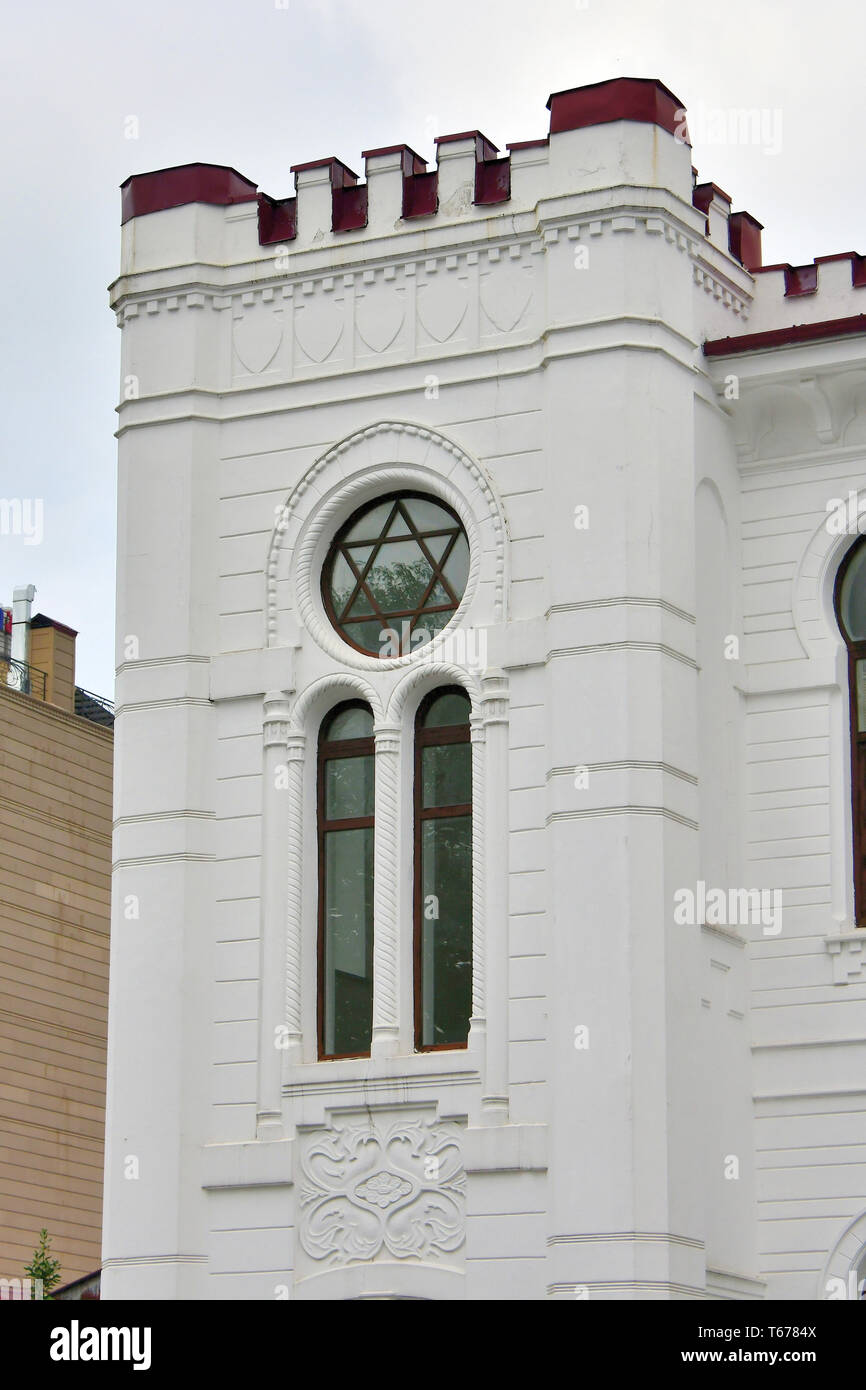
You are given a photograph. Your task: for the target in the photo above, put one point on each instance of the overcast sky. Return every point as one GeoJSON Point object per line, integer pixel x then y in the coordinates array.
{"type": "Point", "coordinates": [259, 87]}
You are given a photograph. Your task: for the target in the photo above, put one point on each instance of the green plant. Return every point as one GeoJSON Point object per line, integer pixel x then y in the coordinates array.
{"type": "Point", "coordinates": [43, 1266]}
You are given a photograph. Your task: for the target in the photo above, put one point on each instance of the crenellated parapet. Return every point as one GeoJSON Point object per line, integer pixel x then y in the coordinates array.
{"type": "Point", "coordinates": [614, 150]}
{"type": "Point", "coordinates": [469, 171]}
{"type": "Point", "coordinates": [802, 303]}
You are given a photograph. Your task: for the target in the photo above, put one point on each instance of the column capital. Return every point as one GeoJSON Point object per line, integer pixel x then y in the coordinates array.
{"type": "Point", "coordinates": [387, 738]}
{"type": "Point", "coordinates": [275, 721]}
{"type": "Point", "coordinates": [296, 744]}
{"type": "Point", "coordinates": [494, 697]}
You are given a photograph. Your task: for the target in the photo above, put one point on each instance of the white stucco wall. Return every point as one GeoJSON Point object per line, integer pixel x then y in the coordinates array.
{"type": "Point", "coordinates": [521, 360]}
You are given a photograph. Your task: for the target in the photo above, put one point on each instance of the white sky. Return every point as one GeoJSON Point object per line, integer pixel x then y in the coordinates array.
{"type": "Point", "coordinates": [244, 83]}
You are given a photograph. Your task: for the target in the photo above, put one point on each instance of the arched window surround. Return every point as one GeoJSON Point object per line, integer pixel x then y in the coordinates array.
{"type": "Point", "coordinates": [429, 821]}
{"type": "Point", "coordinates": [344, 811]}
{"type": "Point", "coordinates": [290, 888]}
{"type": "Point", "coordinates": [825, 650]}
{"type": "Point", "coordinates": [387, 457]}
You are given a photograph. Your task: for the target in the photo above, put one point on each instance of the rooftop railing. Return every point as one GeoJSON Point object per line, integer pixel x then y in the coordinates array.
{"type": "Point", "coordinates": [21, 676]}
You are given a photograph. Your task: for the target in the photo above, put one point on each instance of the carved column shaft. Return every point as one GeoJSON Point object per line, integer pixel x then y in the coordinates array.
{"type": "Point", "coordinates": [295, 754]}
{"type": "Point", "coordinates": [271, 962]}
{"type": "Point", "coordinates": [386, 952]}
{"type": "Point", "coordinates": [494, 717]}
{"type": "Point", "coordinates": [479, 883]}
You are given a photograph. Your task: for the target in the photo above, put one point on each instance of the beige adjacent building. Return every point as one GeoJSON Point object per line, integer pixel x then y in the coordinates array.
{"type": "Point", "coordinates": [56, 747]}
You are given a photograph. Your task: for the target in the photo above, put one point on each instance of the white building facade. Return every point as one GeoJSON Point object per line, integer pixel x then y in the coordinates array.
{"type": "Point", "coordinates": [484, 917]}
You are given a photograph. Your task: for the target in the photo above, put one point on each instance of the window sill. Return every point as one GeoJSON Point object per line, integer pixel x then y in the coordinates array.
{"type": "Point", "coordinates": [456, 1063]}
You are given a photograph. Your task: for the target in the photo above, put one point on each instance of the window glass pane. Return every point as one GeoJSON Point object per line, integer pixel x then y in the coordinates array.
{"type": "Point", "coordinates": [348, 788]}
{"type": "Point", "coordinates": [374, 636]}
{"type": "Point", "coordinates": [354, 722]}
{"type": "Point", "coordinates": [348, 983]}
{"type": "Point", "coordinates": [456, 569]}
{"type": "Point", "coordinates": [437, 545]}
{"type": "Point", "coordinates": [370, 525]}
{"type": "Point", "coordinates": [446, 930]}
{"type": "Point", "coordinates": [361, 606]}
{"type": "Point", "coordinates": [439, 597]}
{"type": "Point", "coordinates": [360, 555]}
{"type": "Point", "coordinates": [451, 707]}
{"type": "Point", "coordinates": [427, 515]}
{"type": "Point", "coordinates": [852, 604]}
{"type": "Point", "coordinates": [399, 577]}
{"type": "Point", "coordinates": [446, 775]}
{"type": "Point", "coordinates": [343, 584]}
{"type": "Point", "coordinates": [861, 696]}
{"type": "Point", "coordinates": [398, 526]}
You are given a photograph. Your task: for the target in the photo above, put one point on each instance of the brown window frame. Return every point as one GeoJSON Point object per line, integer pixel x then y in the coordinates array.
{"type": "Point", "coordinates": [425, 738]}
{"type": "Point", "coordinates": [856, 652]}
{"type": "Point", "coordinates": [339, 623]}
{"type": "Point", "coordinates": [328, 749]}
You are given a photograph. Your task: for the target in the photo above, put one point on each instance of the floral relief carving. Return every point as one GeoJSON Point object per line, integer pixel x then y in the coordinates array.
{"type": "Point", "coordinates": [382, 1186]}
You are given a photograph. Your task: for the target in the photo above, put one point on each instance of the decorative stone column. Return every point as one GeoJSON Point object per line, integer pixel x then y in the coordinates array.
{"type": "Point", "coordinates": [271, 962]}
{"type": "Point", "coordinates": [494, 980]}
{"type": "Point", "coordinates": [386, 928]}
{"type": "Point", "coordinates": [478, 1021]}
{"type": "Point", "coordinates": [293, 921]}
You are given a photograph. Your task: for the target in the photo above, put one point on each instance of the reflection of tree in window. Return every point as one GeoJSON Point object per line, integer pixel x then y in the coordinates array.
{"type": "Point", "coordinates": [443, 871]}
{"type": "Point", "coordinates": [346, 789]}
{"type": "Point", "coordinates": [399, 564]}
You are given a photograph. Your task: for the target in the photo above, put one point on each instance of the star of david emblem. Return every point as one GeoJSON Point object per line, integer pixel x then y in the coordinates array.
{"type": "Point", "coordinates": [399, 567]}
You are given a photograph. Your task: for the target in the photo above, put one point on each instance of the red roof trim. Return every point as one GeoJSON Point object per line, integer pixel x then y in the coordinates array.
{"type": "Point", "coordinates": [642, 99]}
{"type": "Point", "coordinates": [393, 149]}
{"type": "Point", "coordinates": [330, 162]}
{"type": "Point", "coordinates": [710, 190]}
{"type": "Point", "coordinates": [785, 337]}
{"type": "Point", "coordinates": [528, 144]}
{"type": "Point", "coordinates": [184, 183]}
{"type": "Point", "coordinates": [466, 135]}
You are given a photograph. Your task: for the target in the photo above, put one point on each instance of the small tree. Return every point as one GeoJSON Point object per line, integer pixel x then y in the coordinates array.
{"type": "Point", "coordinates": [43, 1267]}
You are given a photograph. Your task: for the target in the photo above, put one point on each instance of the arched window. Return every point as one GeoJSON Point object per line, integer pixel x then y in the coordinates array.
{"type": "Point", "coordinates": [443, 870]}
{"type": "Point", "coordinates": [851, 615]}
{"type": "Point", "coordinates": [345, 801]}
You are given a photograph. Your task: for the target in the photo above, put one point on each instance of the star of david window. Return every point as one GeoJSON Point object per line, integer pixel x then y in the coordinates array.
{"type": "Point", "coordinates": [395, 573]}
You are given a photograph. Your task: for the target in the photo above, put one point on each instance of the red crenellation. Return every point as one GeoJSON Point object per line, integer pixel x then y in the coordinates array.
{"type": "Point", "coordinates": [185, 183]}
{"type": "Point", "coordinates": [642, 99]}
{"type": "Point", "coordinates": [348, 197]}
{"type": "Point", "coordinates": [420, 193]}
{"type": "Point", "coordinates": [744, 239]}
{"type": "Point", "coordinates": [637, 99]}
{"type": "Point", "coordinates": [621, 99]}
{"type": "Point", "coordinates": [492, 175]}
{"type": "Point", "coordinates": [278, 219]}
{"type": "Point", "coordinates": [803, 279]}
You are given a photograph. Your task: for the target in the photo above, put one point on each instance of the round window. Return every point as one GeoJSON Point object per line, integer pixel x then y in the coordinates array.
{"type": "Point", "coordinates": [395, 573]}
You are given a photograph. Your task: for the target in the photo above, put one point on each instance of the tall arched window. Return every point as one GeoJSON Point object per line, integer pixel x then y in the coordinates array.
{"type": "Point", "coordinates": [345, 798]}
{"type": "Point", "coordinates": [851, 615]}
{"type": "Point", "coordinates": [443, 870]}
